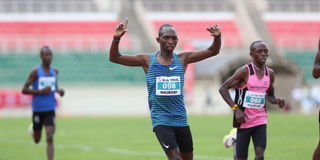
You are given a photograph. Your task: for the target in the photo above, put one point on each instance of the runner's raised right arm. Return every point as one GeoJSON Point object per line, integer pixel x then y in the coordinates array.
{"type": "Point", "coordinates": [117, 57]}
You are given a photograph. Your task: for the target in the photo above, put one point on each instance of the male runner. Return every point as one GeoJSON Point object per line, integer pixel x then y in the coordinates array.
{"type": "Point", "coordinates": [43, 80]}
{"type": "Point", "coordinates": [254, 85]}
{"type": "Point", "coordinates": [165, 80]}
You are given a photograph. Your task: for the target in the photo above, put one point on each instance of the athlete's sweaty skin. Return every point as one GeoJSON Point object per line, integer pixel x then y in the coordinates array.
{"type": "Point", "coordinates": [166, 63]}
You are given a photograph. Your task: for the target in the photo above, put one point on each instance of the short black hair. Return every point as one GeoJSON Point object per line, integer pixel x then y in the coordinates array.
{"type": "Point", "coordinates": [163, 26]}
{"type": "Point", "coordinates": [252, 46]}
{"type": "Point", "coordinates": [44, 49]}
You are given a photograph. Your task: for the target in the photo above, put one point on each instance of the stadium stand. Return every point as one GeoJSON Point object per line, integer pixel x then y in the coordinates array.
{"type": "Point", "coordinates": [293, 5]}
{"type": "Point", "coordinates": [192, 17]}
{"type": "Point", "coordinates": [192, 29]}
{"type": "Point", "coordinates": [23, 6]}
{"type": "Point", "coordinates": [62, 32]}
{"type": "Point", "coordinates": [300, 31]}
{"type": "Point", "coordinates": [74, 69]}
{"type": "Point", "coordinates": [80, 31]}
{"type": "Point", "coordinates": [188, 5]}
{"type": "Point", "coordinates": [80, 27]}
{"type": "Point", "coordinates": [295, 29]}
{"type": "Point", "coordinates": [304, 61]}
{"type": "Point", "coordinates": [64, 25]}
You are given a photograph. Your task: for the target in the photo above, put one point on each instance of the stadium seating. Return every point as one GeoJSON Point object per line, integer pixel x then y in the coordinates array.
{"type": "Point", "coordinates": [61, 35]}
{"type": "Point", "coordinates": [294, 33]}
{"type": "Point", "coordinates": [294, 24]}
{"type": "Point", "coordinates": [293, 5]}
{"type": "Point", "coordinates": [305, 61]}
{"type": "Point", "coordinates": [73, 69]}
{"type": "Point", "coordinates": [12, 6]}
{"type": "Point", "coordinates": [192, 31]}
{"type": "Point", "coordinates": [188, 5]}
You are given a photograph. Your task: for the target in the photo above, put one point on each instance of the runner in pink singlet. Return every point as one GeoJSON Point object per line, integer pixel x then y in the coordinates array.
{"type": "Point", "coordinates": [253, 83]}
{"type": "Point", "coordinates": [253, 96]}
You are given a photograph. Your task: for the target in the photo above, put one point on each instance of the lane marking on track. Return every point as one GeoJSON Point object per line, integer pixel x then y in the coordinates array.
{"type": "Point", "coordinates": [88, 148]}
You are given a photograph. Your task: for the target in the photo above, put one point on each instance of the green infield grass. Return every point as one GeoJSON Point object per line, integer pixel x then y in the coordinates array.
{"type": "Point", "coordinates": [289, 137]}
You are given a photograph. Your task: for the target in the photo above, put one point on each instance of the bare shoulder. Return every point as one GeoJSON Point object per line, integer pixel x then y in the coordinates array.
{"type": "Point", "coordinates": [241, 73]}
{"type": "Point", "coordinates": [33, 72]}
{"type": "Point", "coordinates": [271, 71]}
{"type": "Point", "coordinates": [243, 70]}
{"type": "Point", "coordinates": [32, 75]}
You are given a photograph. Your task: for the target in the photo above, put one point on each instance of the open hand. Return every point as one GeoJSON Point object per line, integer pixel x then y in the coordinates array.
{"type": "Point", "coordinates": [214, 30]}
{"type": "Point", "coordinates": [120, 29]}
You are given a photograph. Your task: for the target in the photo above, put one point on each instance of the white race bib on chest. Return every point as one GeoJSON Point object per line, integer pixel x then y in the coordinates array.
{"type": "Point", "coordinates": [168, 86]}
{"type": "Point", "coordinates": [254, 100]}
{"type": "Point", "coordinates": [47, 82]}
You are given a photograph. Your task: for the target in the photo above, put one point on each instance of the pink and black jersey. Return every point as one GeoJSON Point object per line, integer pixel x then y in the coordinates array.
{"type": "Point", "coordinates": [252, 98]}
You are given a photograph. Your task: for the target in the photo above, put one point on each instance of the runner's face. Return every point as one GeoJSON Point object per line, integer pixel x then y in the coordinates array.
{"type": "Point", "coordinates": [46, 57]}
{"type": "Point", "coordinates": [260, 53]}
{"type": "Point", "coordinates": [168, 39]}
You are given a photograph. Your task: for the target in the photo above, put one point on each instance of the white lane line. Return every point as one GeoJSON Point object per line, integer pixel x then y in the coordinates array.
{"type": "Point", "coordinates": [138, 153]}
{"type": "Point", "coordinates": [132, 153]}
{"type": "Point", "coordinates": [82, 147]}
{"type": "Point", "coordinates": [88, 148]}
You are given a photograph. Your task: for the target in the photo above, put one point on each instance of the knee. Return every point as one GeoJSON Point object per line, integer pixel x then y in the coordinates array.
{"type": "Point", "coordinates": [259, 153]}
{"type": "Point", "coordinates": [174, 155]}
{"type": "Point", "coordinates": [259, 157]}
{"type": "Point", "coordinates": [187, 156]}
{"type": "Point", "coordinates": [49, 139]}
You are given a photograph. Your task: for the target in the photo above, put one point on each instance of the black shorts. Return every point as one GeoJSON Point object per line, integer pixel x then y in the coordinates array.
{"type": "Point", "coordinates": [46, 118]}
{"type": "Point", "coordinates": [174, 137]}
{"type": "Point", "coordinates": [259, 138]}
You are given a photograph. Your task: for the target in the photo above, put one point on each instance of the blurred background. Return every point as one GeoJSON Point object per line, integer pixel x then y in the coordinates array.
{"type": "Point", "coordinates": [105, 114]}
{"type": "Point", "coordinates": [80, 33]}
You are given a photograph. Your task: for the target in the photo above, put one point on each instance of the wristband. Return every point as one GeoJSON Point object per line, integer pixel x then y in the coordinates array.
{"type": "Point", "coordinates": [116, 40]}
{"type": "Point", "coordinates": [235, 107]}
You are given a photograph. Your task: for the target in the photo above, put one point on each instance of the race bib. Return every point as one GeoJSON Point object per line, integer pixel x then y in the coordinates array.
{"type": "Point", "coordinates": [168, 86]}
{"type": "Point", "coordinates": [254, 100]}
{"type": "Point", "coordinates": [47, 82]}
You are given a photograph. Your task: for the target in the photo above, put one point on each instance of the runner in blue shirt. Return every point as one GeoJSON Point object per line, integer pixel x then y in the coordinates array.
{"type": "Point", "coordinates": [164, 71]}
{"type": "Point", "coordinates": [43, 83]}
